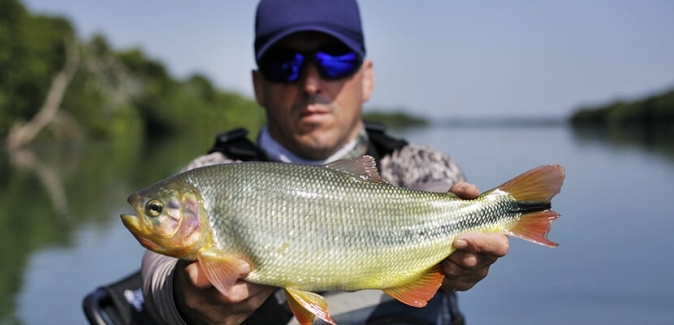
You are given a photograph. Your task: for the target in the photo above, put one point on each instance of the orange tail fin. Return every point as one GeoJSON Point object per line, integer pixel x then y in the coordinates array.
{"type": "Point", "coordinates": [533, 191]}
{"type": "Point", "coordinates": [534, 227]}
{"type": "Point", "coordinates": [537, 185]}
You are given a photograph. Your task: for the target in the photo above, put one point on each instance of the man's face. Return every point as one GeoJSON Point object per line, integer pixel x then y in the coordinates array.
{"type": "Point", "coordinates": [314, 117]}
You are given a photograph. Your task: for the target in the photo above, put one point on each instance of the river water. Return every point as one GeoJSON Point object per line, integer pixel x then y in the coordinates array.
{"type": "Point", "coordinates": [60, 233]}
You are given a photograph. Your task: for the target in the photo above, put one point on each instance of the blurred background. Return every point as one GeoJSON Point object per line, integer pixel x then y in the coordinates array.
{"type": "Point", "coordinates": [98, 100]}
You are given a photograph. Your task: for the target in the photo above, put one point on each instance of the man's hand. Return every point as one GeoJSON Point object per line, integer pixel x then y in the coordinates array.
{"type": "Point", "coordinates": [475, 251]}
{"type": "Point", "coordinates": [200, 303]}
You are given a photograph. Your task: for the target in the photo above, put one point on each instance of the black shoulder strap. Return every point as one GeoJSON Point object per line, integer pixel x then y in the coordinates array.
{"type": "Point", "coordinates": [234, 144]}
{"type": "Point", "coordinates": [381, 144]}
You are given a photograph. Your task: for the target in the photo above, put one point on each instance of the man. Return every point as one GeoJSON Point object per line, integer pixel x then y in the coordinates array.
{"type": "Point", "coordinates": [312, 80]}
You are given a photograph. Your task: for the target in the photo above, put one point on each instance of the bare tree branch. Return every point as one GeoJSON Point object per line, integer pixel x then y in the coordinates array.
{"type": "Point", "coordinates": [22, 134]}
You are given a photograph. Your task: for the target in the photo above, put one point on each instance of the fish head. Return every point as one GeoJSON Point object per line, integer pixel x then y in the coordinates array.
{"type": "Point", "coordinates": [169, 218]}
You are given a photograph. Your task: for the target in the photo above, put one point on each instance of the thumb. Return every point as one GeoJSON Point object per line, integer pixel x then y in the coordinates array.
{"type": "Point", "coordinates": [465, 190]}
{"type": "Point", "coordinates": [198, 276]}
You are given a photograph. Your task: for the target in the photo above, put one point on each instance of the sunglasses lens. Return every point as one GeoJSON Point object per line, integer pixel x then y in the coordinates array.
{"type": "Point", "coordinates": [337, 66]}
{"type": "Point", "coordinates": [285, 67]}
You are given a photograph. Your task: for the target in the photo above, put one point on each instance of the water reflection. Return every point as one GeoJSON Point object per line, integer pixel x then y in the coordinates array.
{"type": "Point", "coordinates": [652, 141]}
{"type": "Point", "coordinates": [51, 193]}
{"type": "Point", "coordinates": [36, 214]}
{"type": "Point", "coordinates": [51, 190]}
{"type": "Point", "coordinates": [49, 178]}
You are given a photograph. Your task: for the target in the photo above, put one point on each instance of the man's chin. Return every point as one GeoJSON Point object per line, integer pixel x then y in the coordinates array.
{"type": "Point", "coordinates": [315, 148]}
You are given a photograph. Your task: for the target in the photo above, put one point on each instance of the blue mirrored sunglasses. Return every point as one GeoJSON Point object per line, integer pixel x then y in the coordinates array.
{"type": "Point", "coordinates": [287, 66]}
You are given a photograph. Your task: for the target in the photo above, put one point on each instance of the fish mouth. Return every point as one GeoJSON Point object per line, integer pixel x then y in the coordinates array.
{"type": "Point", "coordinates": [131, 222]}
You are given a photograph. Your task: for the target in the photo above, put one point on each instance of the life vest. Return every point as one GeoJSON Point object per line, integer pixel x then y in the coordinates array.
{"type": "Point", "coordinates": [235, 144]}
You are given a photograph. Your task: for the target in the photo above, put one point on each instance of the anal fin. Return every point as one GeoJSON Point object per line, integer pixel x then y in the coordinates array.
{"type": "Point", "coordinates": [306, 305]}
{"type": "Point", "coordinates": [419, 292]}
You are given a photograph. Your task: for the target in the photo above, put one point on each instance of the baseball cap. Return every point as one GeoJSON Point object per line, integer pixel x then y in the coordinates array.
{"type": "Point", "coordinates": [276, 19]}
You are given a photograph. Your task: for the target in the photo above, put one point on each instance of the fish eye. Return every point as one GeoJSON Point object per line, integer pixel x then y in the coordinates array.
{"type": "Point", "coordinates": [154, 207]}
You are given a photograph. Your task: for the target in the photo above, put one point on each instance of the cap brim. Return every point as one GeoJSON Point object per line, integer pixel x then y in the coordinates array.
{"type": "Point", "coordinates": [354, 45]}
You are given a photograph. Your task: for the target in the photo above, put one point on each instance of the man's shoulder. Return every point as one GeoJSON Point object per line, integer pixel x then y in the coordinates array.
{"type": "Point", "coordinates": [414, 164]}
{"type": "Point", "coordinates": [209, 159]}
{"type": "Point", "coordinates": [230, 146]}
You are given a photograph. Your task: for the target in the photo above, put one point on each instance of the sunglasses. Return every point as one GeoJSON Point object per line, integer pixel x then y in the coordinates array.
{"type": "Point", "coordinates": [284, 65]}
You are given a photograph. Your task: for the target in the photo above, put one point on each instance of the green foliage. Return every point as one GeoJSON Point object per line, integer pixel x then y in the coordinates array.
{"type": "Point", "coordinates": [32, 52]}
{"type": "Point", "coordinates": [654, 112]}
{"type": "Point", "coordinates": [114, 94]}
{"type": "Point", "coordinates": [193, 106]}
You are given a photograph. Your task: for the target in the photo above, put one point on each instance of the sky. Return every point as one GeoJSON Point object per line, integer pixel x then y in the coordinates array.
{"type": "Point", "coordinates": [434, 58]}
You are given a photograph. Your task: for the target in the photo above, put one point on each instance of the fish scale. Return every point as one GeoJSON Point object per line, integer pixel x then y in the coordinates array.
{"type": "Point", "coordinates": [328, 244]}
{"type": "Point", "coordinates": [324, 228]}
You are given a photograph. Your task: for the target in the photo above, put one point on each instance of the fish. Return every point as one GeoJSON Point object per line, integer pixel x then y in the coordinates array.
{"type": "Point", "coordinates": [336, 227]}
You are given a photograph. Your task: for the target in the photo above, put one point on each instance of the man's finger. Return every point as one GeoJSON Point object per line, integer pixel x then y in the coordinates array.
{"type": "Point", "coordinates": [483, 243]}
{"type": "Point", "coordinates": [461, 278]}
{"type": "Point", "coordinates": [472, 261]}
{"type": "Point", "coordinates": [465, 190]}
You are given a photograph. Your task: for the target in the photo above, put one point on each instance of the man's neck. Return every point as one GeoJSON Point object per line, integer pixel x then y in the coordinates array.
{"type": "Point", "coordinates": [276, 152]}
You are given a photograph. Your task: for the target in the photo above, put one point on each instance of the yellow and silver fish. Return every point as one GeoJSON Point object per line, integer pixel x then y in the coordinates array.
{"type": "Point", "coordinates": [334, 227]}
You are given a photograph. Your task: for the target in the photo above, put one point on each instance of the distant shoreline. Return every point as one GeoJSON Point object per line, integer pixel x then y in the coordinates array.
{"type": "Point", "coordinates": [502, 122]}
{"type": "Point", "coordinates": [651, 113]}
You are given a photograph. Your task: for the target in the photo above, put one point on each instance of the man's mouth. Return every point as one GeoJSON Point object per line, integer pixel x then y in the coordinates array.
{"type": "Point", "coordinates": [312, 113]}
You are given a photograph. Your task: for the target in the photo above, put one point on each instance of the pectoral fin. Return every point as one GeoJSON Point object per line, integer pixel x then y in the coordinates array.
{"type": "Point", "coordinates": [222, 270]}
{"type": "Point", "coordinates": [306, 305]}
{"type": "Point", "coordinates": [419, 292]}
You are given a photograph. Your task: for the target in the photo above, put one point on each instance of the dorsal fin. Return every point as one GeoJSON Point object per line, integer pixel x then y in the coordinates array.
{"type": "Point", "coordinates": [363, 168]}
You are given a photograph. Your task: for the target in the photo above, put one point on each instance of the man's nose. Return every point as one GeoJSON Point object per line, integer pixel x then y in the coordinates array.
{"type": "Point", "coordinates": [311, 80]}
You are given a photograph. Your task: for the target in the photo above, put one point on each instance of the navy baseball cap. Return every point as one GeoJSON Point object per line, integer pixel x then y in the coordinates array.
{"type": "Point", "coordinates": [276, 19]}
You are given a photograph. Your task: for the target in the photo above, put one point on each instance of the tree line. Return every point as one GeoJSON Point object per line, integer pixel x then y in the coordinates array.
{"type": "Point", "coordinates": [84, 88]}
{"type": "Point", "coordinates": [652, 113]}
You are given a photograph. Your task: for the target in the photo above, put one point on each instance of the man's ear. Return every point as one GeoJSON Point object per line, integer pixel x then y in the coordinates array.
{"type": "Point", "coordinates": [368, 79]}
{"type": "Point", "coordinates": [258, 84]}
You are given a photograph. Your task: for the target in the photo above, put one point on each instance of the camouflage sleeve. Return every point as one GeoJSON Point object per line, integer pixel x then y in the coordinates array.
{"type": "Point", "coordinates": [420, 167]}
